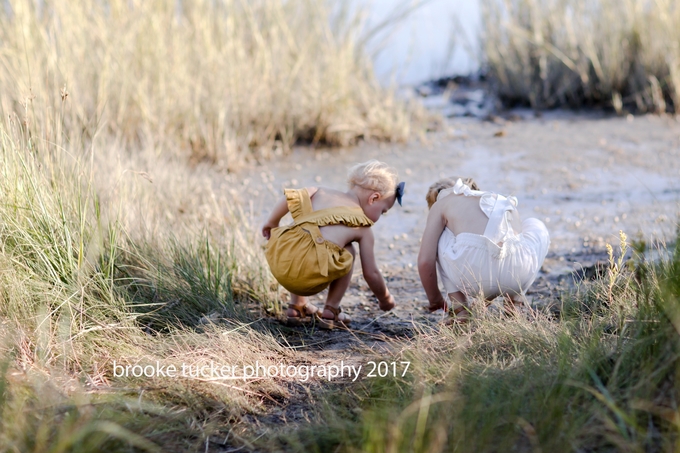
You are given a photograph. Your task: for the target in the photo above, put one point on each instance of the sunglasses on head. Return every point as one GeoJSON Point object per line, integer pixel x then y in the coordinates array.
{"type": "Point", "coordinates": [399, 191]}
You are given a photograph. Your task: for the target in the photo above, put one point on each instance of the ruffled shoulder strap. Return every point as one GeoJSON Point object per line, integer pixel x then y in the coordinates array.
{"type": "Point", "coordinates": [487, 200]}
{"type": "Point", "coordinates": [460, 189]}
{"type": "Point", "coordinates": [342, 215]}
{"type": "Point", "coordinates": [299, 202]}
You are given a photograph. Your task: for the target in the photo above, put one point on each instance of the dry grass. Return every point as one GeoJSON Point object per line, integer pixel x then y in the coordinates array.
{"type": "Point", "coordinates": [619, 54]}
{"type": "Point", "coordinates": [122, 236]}
{"type": "Point", "coordinates": [134, 276]}
{"type": "Point", "coordinates": [213, 80]}
{"type": "Point", "coordinates": [602, 376]}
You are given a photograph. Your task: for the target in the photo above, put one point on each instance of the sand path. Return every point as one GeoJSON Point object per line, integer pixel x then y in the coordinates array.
{"type": "Point", "coordinates": [586, 176]}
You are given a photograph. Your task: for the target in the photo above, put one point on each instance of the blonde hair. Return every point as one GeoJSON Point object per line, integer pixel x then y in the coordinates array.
{"type": "Point", "coordinates": [445, 183]}
{"type": "Point", "coordinates": [373, 175]}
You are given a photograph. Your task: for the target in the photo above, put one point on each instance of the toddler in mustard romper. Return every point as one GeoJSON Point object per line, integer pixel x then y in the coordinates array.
{"type": "Point", "coordinates": [316, 251]}
{"type": "Point", "coordinates": [298, 255]}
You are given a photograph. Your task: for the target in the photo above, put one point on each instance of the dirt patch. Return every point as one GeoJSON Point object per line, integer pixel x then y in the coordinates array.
{"type": "Point", "coordinates": [586, 176]}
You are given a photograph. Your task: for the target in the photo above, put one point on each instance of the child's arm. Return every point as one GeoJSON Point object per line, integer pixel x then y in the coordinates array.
{"type": "Point", "coordinates": [427, 258]}
{"type": "Point", "coordinates": [371, 272]}
{"type": "Point", "coordinates": [280, 209]}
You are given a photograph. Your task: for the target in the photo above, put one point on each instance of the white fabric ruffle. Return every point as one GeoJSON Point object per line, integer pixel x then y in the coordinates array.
{"type": "Point", "coordinates": [498, 261]}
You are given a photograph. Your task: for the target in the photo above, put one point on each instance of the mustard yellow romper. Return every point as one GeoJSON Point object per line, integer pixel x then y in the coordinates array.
{"type": "Point", "coordinates": [298, 255]}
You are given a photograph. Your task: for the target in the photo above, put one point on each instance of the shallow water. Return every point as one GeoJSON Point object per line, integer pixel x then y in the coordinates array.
{"type": "Point", "coordinates": [438, 39]}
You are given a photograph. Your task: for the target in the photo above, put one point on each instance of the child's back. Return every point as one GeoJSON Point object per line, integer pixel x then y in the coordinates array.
{"type": "Point", "coordinates": [345, 232]}
{"type": "Point", "coordinates": [477, 243]}
{"type": "Point", "coordinates": [463, 214]}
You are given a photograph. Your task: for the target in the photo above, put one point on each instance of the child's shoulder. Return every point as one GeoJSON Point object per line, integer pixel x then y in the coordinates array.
{"type": "Point", "coordinates": [325, 197]}
{"type": "Point", "coordinates": [315, 191]}
{"type": "Point", "coordinates": [312, 190]}
{"type": "Point", "coordinates": [329, 194]}
{"type": "Point", "coordinates": [325, 190]}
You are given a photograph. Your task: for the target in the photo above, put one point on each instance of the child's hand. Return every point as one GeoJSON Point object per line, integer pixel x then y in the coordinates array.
{"type": "Point", "coordinates": [280, 209]}
{"type": "Point", "coordinates": [438, 306]}
{"type": "Point", "coordinates": [267, 230]}
{"type": "Point", "coordinates": [386, 304]}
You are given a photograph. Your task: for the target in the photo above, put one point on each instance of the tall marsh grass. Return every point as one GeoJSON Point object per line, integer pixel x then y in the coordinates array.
{"type": "Point", "coordinates": [619, 54]}
{"type": "Point", "coordinates": [112, 247]}
{"type": "Point", "coordinates": [213, 80]}
{"type": "Point", "coordinates": [80, 288]}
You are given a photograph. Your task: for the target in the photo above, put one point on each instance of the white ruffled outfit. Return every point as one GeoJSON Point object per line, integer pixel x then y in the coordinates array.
{"type": "Point", "coordinates": [499, 261]}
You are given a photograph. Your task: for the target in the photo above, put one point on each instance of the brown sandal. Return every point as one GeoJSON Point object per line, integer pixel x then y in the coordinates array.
{"type": "Point", "coordinates": [339, 321]}
{"type": "Point", "coordinates": [308, 313]}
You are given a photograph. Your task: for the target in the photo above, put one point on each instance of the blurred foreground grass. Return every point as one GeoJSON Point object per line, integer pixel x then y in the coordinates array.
{"type": "Point", "coordinates": [103, 259]}
{"type": "Point", "coordinates": [79, 291]}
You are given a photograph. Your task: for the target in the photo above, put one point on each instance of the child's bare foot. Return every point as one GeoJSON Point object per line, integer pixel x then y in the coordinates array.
{"type": "Point", "coordinates": [440, 306]}
{"type": "Point", "coordinates": [459, 314]}
{"type": "Point", "coordinates": [514, 304]}
{"type": "Point", "coordinates": [387, 304]}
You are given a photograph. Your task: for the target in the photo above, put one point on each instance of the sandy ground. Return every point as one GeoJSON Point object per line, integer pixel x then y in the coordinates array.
{"type": "Point", "coordinates": [587, 176]}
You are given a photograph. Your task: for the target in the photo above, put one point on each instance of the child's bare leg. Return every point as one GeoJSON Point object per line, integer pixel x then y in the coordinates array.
{"type": "Point", "coordinates": [338, 288]}
{"type": "Point", "coordinates": [459, 305]}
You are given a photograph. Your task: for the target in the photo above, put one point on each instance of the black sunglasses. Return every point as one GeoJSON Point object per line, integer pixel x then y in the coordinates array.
{"type": "Point", "coordinates": [399, 191]}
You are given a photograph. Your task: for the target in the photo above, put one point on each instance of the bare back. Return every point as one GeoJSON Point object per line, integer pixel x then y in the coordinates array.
{"type": "Point", "coordinates": [324, 198]}
{"type": "Point", "coordinates": [464, 215]}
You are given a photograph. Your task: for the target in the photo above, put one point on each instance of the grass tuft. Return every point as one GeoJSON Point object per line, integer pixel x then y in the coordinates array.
{"type": "Point", "coordinates": [80, 292]}
{"type": "Point", "coordinates": [620, 55]}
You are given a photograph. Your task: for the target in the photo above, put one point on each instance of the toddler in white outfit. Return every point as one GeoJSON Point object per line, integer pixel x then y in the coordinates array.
{"type": "Point", "coordinates": [478, 245]}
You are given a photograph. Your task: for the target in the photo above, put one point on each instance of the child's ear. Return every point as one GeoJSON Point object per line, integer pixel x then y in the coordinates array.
{"type": "Point", "coordinates": [375, 196]}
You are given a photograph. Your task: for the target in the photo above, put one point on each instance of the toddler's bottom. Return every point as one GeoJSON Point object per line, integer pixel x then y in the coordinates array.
{"type": "Point", "coordinates": [295, 259]}
{"type": "Point", "coordinates": [474, 265]}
